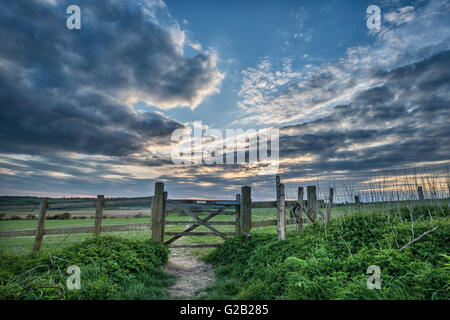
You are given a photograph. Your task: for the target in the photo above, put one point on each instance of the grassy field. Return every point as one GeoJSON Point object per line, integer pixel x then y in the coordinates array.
{"type": "Point", "coordinates": [109, 268]}
{"type": "Point", "coordinates": [23, 245]}
{"type": "Point", "coordinates": [324, 261]}
{"type": "Point", "coordinates": [331, 261]}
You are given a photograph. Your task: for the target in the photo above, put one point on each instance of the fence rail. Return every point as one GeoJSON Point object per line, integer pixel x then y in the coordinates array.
{"type": "Point", "coordinates": [161, 207]}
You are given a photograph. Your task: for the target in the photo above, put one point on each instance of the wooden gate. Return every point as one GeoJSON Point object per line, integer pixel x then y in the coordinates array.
{"type": "Point", "coordinates": [201, 213]}
{"type": "Point", "coordinates": [194, 209]}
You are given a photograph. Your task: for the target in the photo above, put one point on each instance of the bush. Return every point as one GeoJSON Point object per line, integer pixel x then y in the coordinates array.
{"type": "Point", "coordinates": [61, 216]}
{"type": "Point", "coordinates": [331, 262]}
{"type": "Point", "coordinates": [111, 268]}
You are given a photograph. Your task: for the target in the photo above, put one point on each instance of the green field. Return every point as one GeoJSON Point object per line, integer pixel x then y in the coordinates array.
{"type": "Point", "coordinates": [324, 261]}
{"type": "Point", "coordinates": [331, 261]}
{"type": "Point", "coordinates": [23, 245]}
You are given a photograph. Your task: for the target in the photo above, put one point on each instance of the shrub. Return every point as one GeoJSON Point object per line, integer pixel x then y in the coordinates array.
{"type": "Point", "coordinates": [331, 262]}
{"type": "Point", "coordinates": [111, 268]}
{"type": "Point", "coordinates": [61, 216]}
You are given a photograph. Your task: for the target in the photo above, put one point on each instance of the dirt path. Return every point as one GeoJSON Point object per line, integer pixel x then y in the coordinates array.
{"type": "Point", "coordinates": [193, 274]}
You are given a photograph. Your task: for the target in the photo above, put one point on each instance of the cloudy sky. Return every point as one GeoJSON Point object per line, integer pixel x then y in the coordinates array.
{"type": "Point", "coordinates": [91, 111]}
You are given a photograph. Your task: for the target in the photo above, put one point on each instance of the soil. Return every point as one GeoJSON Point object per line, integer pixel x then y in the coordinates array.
{"type": "Point", "coordinates": [193, 275]}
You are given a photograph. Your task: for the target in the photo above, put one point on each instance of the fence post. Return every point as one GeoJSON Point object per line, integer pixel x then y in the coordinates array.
{"type": "Point", "coordinates": [277, 182]}
{"type": "Point", "coordinates": [238, 215]}
{"type": "Point", "coordinates": [330, 204]}
{"type": "Point", "coordinates": [420, 191]}
{"type": "Point", "coordinates": [357, 203]}
{"type": "Point", "coordinates": [40, 231]}
{"type": "Point", "coordinates": [448, 187]}
{"type": "Point", "coordinates": [98, 215]}
{"type": "Point", "coordinates": [158, 213]}
{"type": "Point", "coordinates": [298, 226]}
{"type": "Point", "coordinates": [281, 214]}
{"type": "Point", "coordinates": [165, 205]}
{"type": "Point", "coordinates": [312, 201]}
{"type": "Point", "coordinates": [246, 209]}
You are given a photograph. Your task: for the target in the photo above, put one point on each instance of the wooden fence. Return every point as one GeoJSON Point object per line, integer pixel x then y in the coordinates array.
{"type": "Point", "coordinates": [241, 207]}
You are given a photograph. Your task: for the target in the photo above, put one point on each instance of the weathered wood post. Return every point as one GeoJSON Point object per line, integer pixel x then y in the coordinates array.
{"type": "Point", "coordinates": [357, 203]}
{"type": "Point", "coordinates": [330, 204]}
{"type": "Point", "coordinates": [281, 212]}
{"type": "Point", "coordinates": [40, 231]}
{"type": "Point", "coordinates": [98, 215]}
{"type": "Point", "coordinates": [448, 187]}
{"type": "Point", "coordinates": [277, 182]}
{"type": "Point", "coordinates": [311, 195]}
{"type": "Point", "coordinates": [246, 209]}
{"type": "Point", "coordinates": [298, 226]}
{"type": "Point", "coordinates": [158, 213]}
{"type": "Point", "coordinates": [420, 192]}
{"type": "Point", "coordinates": [164, 214]}
{"type": "Point", "coordinates": [237, 220]}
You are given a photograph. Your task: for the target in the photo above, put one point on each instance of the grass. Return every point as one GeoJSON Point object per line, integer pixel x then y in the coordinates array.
{"type": "Point", "coordinates": [110, 268]}
{"type": "Point", "coordinates": [330, 261]}
{"type": "Point", "coordinates": [321, 262]}
{"type": "Point", "coordinates": [23, 245]}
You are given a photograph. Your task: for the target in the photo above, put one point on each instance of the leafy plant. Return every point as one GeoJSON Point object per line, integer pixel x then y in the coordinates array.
{"type": "Point", "coordinates": [312, 265]}
{"type": "Point", "coordinates": [111, 268]}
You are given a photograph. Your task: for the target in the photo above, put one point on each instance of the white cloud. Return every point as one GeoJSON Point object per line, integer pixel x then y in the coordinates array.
{"type": "Point", "coordinates": [197, 46]}
{"type": "Point", "coordinates": [400, 16]}
{"type": "Point", "coordinates": [281, 96]}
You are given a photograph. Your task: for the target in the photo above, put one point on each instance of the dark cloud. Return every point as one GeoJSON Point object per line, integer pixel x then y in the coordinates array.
{"type": "Point", "coordinates": [398, 124]}
{"type": "Point", "coordinates": [63, 90]}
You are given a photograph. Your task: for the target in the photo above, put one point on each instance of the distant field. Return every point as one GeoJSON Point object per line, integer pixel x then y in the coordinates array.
{"type": "Point", "coordinates": [88, 213]}
{"type": "Point", "coordinates": [24, 244]}
{"type": "Point", "coordinates": [127, 216]}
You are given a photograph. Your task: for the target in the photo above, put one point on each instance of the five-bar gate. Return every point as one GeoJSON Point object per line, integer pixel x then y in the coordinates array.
{"type": "Point", "coordinates": [201, 213]}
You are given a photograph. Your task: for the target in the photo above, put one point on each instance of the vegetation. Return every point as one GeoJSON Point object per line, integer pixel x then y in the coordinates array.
{"type": "Point", "coordinates": [111, 268]}
{"type": "Point", "coordinates": [330, 261]}
{"type": "Point", "coordinates": [24, 245]}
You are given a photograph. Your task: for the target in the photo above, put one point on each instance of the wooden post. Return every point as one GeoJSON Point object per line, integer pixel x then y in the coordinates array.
{"type": "Point", "coordinates": [311, 195]}
{"type": "Point", "coordinates": [330, 204]}
{"type": "Point", "coordinates": [163, 226]}
{"type": "Point", "coordinates": [246, 209]}
{"type": "Point", "coordinates": [98, 215]}
{"type": "Point", "coordinates": [420, 191]}
{"type": "Point", "coordinates": [277, 182]}
{"type": "Point", "coordinates": [357, 203]}
{"type": "Point", "coordinates": [298, 226]}
{"type": "Point", "coordinates": [158, 213]}
{"type": "Point", "coordinates": [448, 186]}
{"type": "Point", "coordinates": [165, 204]}
{"type": "Point", "coordinates": [238, 215]}
{"type": "Point", "coordinates": [281, 212]}
{"type": "Point", "coordinates": [40, 231]}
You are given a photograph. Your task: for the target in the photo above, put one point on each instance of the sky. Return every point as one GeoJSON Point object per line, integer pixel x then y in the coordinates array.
{"type": "Point", "coordinates": [92, 111]}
